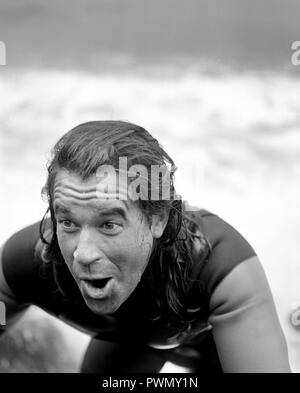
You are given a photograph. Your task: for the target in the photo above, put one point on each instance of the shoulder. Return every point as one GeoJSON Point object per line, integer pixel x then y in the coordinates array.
{"type": "Point", "coordinates": [19, 263]}
{"type": "Point", "coordinates": [228, 248]}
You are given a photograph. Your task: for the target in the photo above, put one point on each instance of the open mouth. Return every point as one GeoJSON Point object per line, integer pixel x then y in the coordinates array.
{"type": "Point", "coordinates": [98, 283]}
{"type": "Point", "coordinates": [97, 288]}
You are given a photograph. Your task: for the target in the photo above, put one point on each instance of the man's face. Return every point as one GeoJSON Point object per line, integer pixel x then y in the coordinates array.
{"type": "Point", "coordinates": [106, 243]}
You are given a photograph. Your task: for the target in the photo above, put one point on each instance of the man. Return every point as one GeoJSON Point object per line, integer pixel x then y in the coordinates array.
{"type": "Point", "coordinates": [122, 259]}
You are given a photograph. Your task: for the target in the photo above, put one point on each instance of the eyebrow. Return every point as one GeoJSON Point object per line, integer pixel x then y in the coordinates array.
{"type": "Point", "coordinates": [61, 209]}
{"type": "Point", "coordinates": [113, 211]}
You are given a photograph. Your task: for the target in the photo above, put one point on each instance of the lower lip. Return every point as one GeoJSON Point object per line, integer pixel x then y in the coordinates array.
{"type": "Point", "coordinates": [97, 293]}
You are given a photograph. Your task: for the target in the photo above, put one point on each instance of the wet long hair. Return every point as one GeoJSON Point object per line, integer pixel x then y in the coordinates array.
{"type": "Point", "coordinates": [168, 276]}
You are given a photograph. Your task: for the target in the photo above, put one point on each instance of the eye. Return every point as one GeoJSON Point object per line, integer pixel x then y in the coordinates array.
{"type": "Point", "coordinates": [111, 227]}
{"type": "Point", "coordinates": [67, 225]}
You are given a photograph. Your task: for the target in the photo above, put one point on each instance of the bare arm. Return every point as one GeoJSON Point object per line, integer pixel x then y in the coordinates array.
{"type": "Point", "coordinates": [246, 328]}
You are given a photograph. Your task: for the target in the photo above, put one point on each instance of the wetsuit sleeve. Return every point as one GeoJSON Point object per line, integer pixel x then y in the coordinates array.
{"type": "Point", "coordinates": [228, 249]}
{"type": "Point", "coordinates": [19, 265]}
{"type": "Point", "coordinates": [10, 308]}
{"type": "Point", "coordinates": [246, 328]}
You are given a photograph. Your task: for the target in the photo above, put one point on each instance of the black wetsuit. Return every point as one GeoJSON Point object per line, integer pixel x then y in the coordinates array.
{"type": "Point", "coordinates": [128, 340]}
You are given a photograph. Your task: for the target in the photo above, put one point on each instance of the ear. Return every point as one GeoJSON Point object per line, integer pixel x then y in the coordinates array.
{"type": "Point", "coordinates": [158, 224]}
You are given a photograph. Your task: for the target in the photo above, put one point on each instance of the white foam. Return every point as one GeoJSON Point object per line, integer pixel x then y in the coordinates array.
{"type": "Point", "coordinates": [234, 137]}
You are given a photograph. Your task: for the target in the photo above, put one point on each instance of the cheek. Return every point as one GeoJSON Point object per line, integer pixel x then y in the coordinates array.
{"type": "Point", "coordinates": [67, 246]}
{"type": "Point", "coordinates": [143, 244]}
{"type": "Point", "coordinates": [131, 253]}
{"type": "Point", "coordinates": [144, 237]}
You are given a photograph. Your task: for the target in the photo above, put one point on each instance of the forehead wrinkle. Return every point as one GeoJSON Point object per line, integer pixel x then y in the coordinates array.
{"type": "Point", "coordinates": [86, 197]}
{"type": "Point", "coordinates": [74, 187]}
{"type": "Point", "coordinates": [86, 193]}
{"type": "Point", "coordinates": [75, 195]}
{"type": "Point", "coordinates": [99, 206]}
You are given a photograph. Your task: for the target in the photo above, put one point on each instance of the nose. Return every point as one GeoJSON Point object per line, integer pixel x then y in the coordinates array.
{"type": "Point", "coordinates": [87, 251]}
